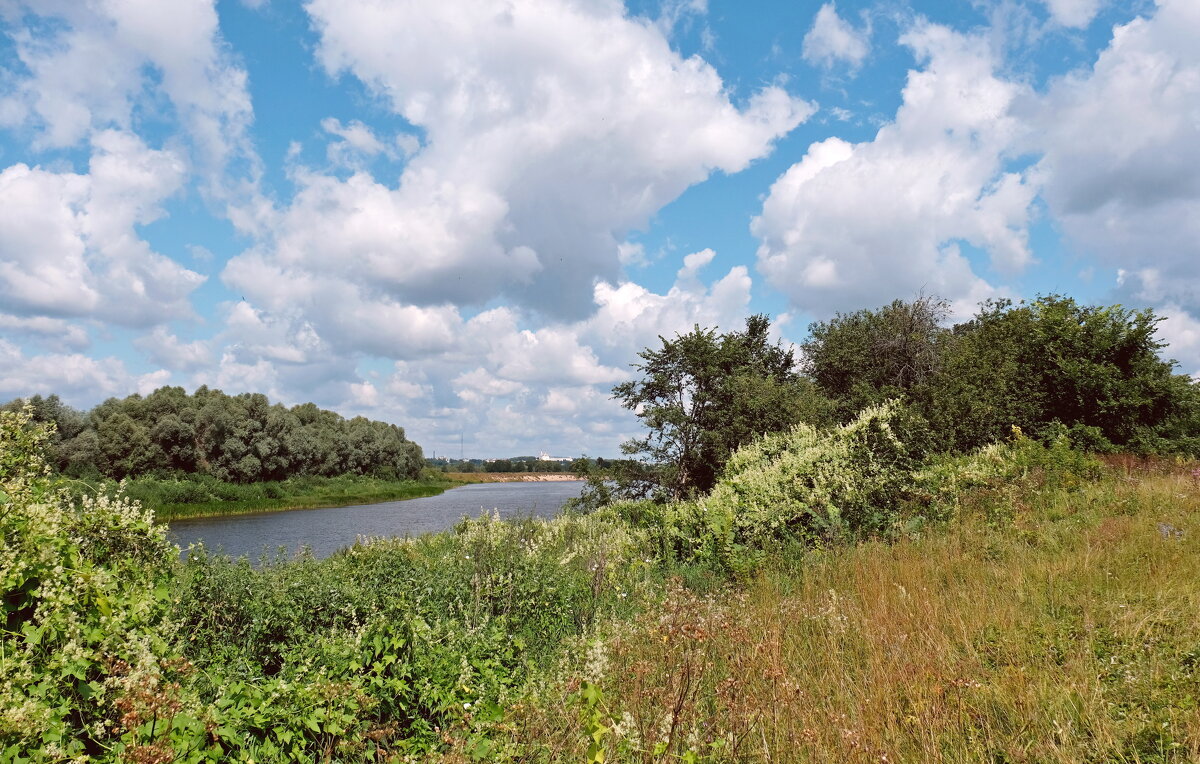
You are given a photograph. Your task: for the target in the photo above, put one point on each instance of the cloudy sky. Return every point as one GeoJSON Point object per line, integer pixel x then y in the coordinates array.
{"type": "Point", "coordinates": [466, 217]}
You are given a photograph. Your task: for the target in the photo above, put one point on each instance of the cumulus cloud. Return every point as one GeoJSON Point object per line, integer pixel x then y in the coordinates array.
{"type": "Point", "coordinates": [49, 332]}
{"type": "Point", "coordinates": [1181, 331]}
{"type": "Point", "coordinates": [1121, 145]}
{"type": "Point", "coordinates": [551, 129]}
{"type": "Point", "coordinates": [357, 142]}
{"type": "Point", "coordinates": [856, 225]}
{"type": "Point", "coordinates": [80, 380]}
{"type": "Point", "coordinates": [68, 244]}
{"type": "Point", "coordinates": [87, 71]}
{"type": "Point", "coordinates": [497, 375]}
{"type": "Point", "coordinates": [165, 349]}
{"type": "Point", "coordinates": [832, 40]}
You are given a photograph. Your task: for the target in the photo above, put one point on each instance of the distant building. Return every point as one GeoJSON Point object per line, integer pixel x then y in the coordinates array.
{"type": "Point", "coordinates": [545, 457]}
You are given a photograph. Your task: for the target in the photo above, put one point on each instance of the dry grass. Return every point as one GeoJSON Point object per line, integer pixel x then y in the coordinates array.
{"type": "Point", "coordinates": [1068, 631]}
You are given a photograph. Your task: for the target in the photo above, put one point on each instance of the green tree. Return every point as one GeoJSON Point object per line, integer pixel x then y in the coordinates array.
{"type": "Point", "coordinates": [865, 358]}
{"type": "Point", "coordinates": [701, 396]}
{"type": "Point", "coordinates": [125, 446]}
{"type": "Point", "coordinates": [1052, 364]}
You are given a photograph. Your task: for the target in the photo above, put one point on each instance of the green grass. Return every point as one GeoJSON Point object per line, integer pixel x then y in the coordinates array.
{"type": "Point", "coordinates": [199, 496]}
{"type": "Point", "coordinates": [368, 494]}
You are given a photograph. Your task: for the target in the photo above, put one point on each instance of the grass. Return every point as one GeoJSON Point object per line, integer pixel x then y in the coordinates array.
{"type": "Point", "coordinates": [213, 498]}
{"type": "Point", "coordinates": [1043, 626]}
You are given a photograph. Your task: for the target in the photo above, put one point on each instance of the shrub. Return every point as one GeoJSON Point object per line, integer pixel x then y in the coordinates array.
{"type": "Point", "coordinates": [84, 650]}
{"type": "Point", "coordinates": [807, 484]}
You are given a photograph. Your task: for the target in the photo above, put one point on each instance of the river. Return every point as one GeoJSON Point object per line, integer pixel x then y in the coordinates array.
{"type": "Point", "coordinates": [327, 530]}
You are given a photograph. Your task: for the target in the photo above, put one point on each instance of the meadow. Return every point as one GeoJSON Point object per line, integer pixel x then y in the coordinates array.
{"type": "Point", "coordinates": [1025, 602]}
{"type": "Point", "coordinates": [1044, 624]}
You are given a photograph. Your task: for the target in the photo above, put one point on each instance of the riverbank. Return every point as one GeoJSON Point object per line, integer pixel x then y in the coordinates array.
{"type": "Point", "coordinates": [1024, 603]}
{"type": "Point", "coordinates": [321, 533]}
{"type": "Point", "coordinates": [176, 499]}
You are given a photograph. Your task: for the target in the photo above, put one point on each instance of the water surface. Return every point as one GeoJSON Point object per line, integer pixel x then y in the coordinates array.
{"type": "Point", "coordinates": [327, 530]}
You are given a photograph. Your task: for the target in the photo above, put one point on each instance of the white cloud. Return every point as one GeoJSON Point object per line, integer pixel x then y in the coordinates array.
{"type": "Point", "coordinates": [80, 380]}
{"type": "Point", "coordinates": [489, 375]}
{"type": "Point", "coordinates": [165, 349]}
{"type": "Point", "coordinates": [479, 385]}
{"type": "Point", "coordinates": [673, 13]}
{"type": "Point", "coordinates": [52, 332]}
{"type": "Point", "coordinates": [551, 129]}
{"type": "Point", "coordinates": [832, 40]}
{"type": "Point", "coordinates": [89, 67]}
{"type": "Point", "coordinates": [632, 254]}
{"type": "Point", "coordinates": [547, 135]}
{"type": "Point", "coordinates": [1181, 331]}
{"type": "Point", "coordinates": [857, 225]}
{"type": "Point", "coordinates": [1073, 13]}
{"type": "Point", "coordinates": [1121, 145]}
{"type": "Point", "coordinates": [416, 244]}
{"type": "Point", "coordinates": [356, 143]}
{"type": "Point", "coordinates": [68, 244]}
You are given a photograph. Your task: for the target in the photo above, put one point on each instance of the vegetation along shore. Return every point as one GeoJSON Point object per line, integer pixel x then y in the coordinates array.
{"type": "Point", "coordinates": [915, 542]}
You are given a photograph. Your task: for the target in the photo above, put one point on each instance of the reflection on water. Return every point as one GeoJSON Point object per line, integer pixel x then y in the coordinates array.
{"type": "Point", "coordinates": [327, 530]}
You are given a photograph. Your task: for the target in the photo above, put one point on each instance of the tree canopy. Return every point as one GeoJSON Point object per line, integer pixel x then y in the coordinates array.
{"type": "Point", "coordinates": [1046, 366]}
{"type": "Point", "coordinates": [241, 438]}
{"type": "Point", "coordinates": [701, 395]}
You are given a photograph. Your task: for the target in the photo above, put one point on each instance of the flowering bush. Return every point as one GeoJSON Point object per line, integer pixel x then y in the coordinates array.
{"type": "Point", "coordinates": [85, 605]}
{"type": "Point", "coordinates": [807, 484]}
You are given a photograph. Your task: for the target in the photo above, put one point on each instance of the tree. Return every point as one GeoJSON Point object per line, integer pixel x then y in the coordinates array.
{"type": "Point", "coordinates": [701, 396]}
{"type": "Point", "coordinates": [864, 358]}
{"type": "Point", "coordinates": [1053, 364]}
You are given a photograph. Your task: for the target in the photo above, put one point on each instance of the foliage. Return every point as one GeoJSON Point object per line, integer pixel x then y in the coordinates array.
{"type": "Point", "coordinates": [238, 439]}
{"type": "Point", "coordinates": [1042, 366]}
{"type": "Point", "coordinates": [199, 495]}
{"type": "Point", "coordinates": [812, 488]}
{"type": "Point", "coordinates": [1066, 634]}
{"type": "Point", "coordinates": [86, 627]}
{"type": "Point", "coordinates": [701, 395]}
{"type": "Point", "coordinates": [805, 485]}
{"type": "Point", "coordinates": [114, 650]}
{"type": "Point", "coordinates": [1095, 370]}
{"type": "Point", "coordinates": [864, 358]}
{"type": "Point", "coordinates": [859, 555]}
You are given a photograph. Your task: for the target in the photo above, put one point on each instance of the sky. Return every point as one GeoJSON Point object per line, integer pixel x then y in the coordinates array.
{"type": "Point", "coordinates": [467, 217]}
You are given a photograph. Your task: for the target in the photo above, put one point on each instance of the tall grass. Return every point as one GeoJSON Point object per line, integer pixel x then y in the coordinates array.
{"type": "Point", "coordinates": [1046, 625]}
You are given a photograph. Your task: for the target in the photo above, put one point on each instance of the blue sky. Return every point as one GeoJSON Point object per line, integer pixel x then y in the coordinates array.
{"type": "Point", "coordinates": [467, 218]}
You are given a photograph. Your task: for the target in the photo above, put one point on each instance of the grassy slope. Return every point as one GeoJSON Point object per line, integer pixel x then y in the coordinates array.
{"type": "Point", "coordinates": [1048, 627]}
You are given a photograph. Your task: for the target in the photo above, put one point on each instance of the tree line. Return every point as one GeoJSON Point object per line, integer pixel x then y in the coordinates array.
{"type": "Point", "coordinates": [235, 438]}
{"type": "Point", "coordinates": [515, 464]}
{"type": "Point", "coordinates": [1049, 368]}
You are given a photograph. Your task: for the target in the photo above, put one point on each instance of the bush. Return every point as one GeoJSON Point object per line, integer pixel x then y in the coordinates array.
{"type": "Point", "coordinates": [417, 630]}
{"type": "Point", "coordinates": [807, 484]}
{"type": "Point", "coordinates": [85, 650]}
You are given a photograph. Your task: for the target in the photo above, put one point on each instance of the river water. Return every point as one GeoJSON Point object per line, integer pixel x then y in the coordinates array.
{"type": "Point", "coordinates": [327, 530]}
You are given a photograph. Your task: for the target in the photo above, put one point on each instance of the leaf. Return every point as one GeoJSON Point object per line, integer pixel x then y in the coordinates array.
{"type": "Point", "coordinates": [595, 754]}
